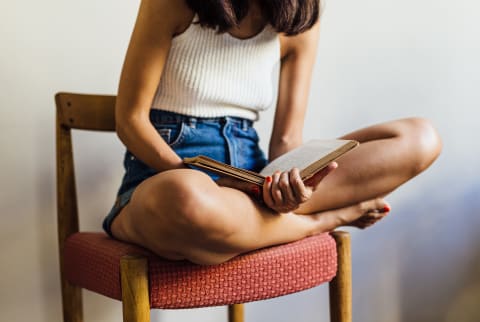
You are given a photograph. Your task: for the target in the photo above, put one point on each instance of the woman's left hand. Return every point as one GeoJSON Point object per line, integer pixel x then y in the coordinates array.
{"type": "Point", "coordinates": [286, 191]}
{"type": "Point", "coordinates": [283, 191]}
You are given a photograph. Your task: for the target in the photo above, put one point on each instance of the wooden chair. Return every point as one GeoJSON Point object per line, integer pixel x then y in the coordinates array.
{"type": "Point", "coordinates": [142, 280]}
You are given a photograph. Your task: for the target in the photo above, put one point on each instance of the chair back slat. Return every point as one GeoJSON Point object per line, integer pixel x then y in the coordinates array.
{"type": "Point", "coordinates": [86, 112]}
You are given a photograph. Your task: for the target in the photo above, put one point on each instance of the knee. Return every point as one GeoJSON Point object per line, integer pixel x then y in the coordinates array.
{"type": "Point", "coordinates": [188, 200]}
{"type": "Point", "coordinates": [422, 141]}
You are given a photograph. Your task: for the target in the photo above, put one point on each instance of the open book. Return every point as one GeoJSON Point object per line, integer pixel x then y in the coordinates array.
{"type": "Point", "coordinates": [309, 158]}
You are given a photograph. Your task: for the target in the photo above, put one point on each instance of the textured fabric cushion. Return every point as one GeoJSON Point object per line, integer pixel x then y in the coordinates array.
{"type": "Point", "coordinates": [92, 261]}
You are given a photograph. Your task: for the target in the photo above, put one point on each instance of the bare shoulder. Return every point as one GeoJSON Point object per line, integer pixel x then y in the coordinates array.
{"type": "Point", "coordinates": [171, 15]}
{"type": "Point", "coordinates": [304, 42]}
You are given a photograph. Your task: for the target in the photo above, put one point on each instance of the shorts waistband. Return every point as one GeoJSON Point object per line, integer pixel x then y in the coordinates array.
{"type": "Point", "coordinates": [164, 117]}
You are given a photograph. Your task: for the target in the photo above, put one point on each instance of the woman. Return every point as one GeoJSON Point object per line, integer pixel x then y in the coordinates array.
{"type": "Point", "coordinates": [195, 77]}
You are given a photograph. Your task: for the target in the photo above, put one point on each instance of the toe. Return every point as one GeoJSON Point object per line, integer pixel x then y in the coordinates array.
{"type": "Point", "coordinates": [378, 205]}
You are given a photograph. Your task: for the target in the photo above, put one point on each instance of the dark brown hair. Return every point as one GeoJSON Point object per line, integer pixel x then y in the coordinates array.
{"type": "Point", "coordinates": [285, 16]}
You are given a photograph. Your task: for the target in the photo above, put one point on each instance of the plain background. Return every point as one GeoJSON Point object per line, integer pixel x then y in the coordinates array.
{"type": "Point", "coordinates": [378, 60]}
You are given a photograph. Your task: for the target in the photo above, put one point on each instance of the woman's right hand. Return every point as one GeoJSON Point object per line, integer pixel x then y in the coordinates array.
{"type": "Point", "coordinates": [285, 191]}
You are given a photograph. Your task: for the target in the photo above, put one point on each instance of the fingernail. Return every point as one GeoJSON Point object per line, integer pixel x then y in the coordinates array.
{"type": "Point", "coordinates": [268, 179]}
{"type": "Point", "coordinates": [255, 189]}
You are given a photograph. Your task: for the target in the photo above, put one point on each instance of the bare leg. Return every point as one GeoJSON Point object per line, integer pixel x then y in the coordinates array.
{"type": "Point", "coordinates": [389, 155]}
{"type": "Point", "coordinates": [184, 214]}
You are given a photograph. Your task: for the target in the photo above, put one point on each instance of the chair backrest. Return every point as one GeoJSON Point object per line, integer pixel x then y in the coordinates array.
{"type": "Point", "coordinates": [76, 111]}
{"type": "Point", "coordinates": [86, 112]}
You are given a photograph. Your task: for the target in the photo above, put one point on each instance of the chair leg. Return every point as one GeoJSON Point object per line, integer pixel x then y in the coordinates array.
{"type": "Point", "coordinates": [135, 298]}
{"type": "Point", "coordinates": [341, 285]}
{"type": "Point", "coordinates": [235, 313]}
{"type": "Point", "coordinates": [72, 302]}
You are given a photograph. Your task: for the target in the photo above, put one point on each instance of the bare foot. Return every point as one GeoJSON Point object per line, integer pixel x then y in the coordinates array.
{"type": "Point", "coordinates": [370, 217]}
{"type": "Point", "coordinates": [361, 215]}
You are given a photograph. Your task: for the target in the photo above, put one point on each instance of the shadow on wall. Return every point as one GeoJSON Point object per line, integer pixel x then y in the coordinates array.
{"type": "Point", "coordinates": [423, 263]}
{"type": "Point", "coordinates": [440, 280]}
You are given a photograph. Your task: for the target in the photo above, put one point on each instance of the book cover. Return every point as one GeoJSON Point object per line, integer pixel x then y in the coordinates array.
{"type": "Point", "coordinates": [310, 158]}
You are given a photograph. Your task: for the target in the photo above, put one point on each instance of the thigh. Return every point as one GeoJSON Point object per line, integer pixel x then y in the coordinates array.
{"type": "Point", "coordinates": [389, 155]}
{"type": "Point", "coordinates": [163, 212]}
{"type": "Point", "coordinates": [182, 214]}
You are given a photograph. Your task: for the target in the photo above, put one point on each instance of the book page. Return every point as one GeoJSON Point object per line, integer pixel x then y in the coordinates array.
{"type": "Point", "coordinates": [303, 156]}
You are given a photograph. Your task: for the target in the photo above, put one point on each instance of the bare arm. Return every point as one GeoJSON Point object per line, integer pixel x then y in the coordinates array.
{"type": "Point", "coordinates": [157, 22]}
{"type": "Point", "coordinates": [298, 57]}
{"type": "Point", "coordinates": [285, 191]}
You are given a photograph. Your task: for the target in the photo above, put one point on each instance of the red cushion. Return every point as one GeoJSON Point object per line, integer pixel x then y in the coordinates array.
{"type": "Point", "coordinates": [92, 261]}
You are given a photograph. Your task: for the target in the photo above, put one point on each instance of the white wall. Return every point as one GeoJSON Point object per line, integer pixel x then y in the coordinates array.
{"type": "Point", "coordinates": [378, 60]}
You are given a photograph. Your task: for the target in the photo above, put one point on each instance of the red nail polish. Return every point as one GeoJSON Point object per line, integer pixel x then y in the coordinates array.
{"type": "Point", "coordinates": [255, 189]}
{"type": "Point", "coordinates": [386, 209]}
{"type": "Point", "coordinates": [268, 179]}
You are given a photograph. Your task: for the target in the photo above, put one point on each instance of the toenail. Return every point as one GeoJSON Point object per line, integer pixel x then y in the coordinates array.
{"type": "Point", "coordinates": [386, 209]}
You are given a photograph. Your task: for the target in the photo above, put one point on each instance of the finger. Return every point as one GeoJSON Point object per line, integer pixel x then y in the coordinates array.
{"type": "Point", "coordinates": [275, 189]}
{"type": "Point", "coordinates": [267, 196]}
{"type": "Point", "coordinates": [315, 180]}
{"type": "Point", "coordinates": [286, 188]}
{"type": "Point", "coordinates": [255, 191]}
{"type": "Point", "coordinates": [302, 193]}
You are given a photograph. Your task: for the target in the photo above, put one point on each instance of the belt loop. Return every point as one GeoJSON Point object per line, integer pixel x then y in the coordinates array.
{"type": "Point", "coordinates": [192, 122]}
{"type": "Point", "coordinates": [245, 124]}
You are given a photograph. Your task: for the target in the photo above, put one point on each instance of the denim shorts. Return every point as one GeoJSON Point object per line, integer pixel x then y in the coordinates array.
{"type": "Point", "coordinates": [227, 139]}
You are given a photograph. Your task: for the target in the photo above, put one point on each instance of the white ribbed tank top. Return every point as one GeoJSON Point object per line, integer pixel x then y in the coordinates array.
{"type": "Point", "coordinates": [212, 75]}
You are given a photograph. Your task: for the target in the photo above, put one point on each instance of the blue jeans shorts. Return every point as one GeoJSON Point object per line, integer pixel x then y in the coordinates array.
{"type": "Point", "coordinates": [227, 139]}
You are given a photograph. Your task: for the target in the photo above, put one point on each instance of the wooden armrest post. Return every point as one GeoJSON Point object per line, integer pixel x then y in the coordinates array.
{"type": "Point", "coordinates": [135, 297]}
{"type": "Point", "coordinates": [341, 285]}
{"type": "Point", "coordinates": [235, 313]}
